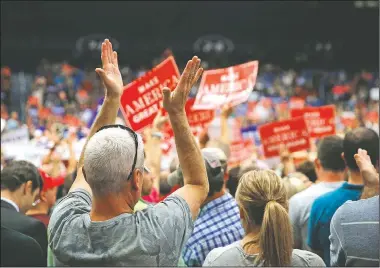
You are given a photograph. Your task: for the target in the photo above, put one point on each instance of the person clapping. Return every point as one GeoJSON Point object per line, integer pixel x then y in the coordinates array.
{"type": "Point", "coordinates": [95, 223]}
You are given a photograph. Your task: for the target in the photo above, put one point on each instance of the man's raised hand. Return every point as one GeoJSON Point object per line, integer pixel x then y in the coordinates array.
{"type": "Point", "coordinates": [174, 102]}
{"type": "Point", "coordinates": [367, 170]}
{"type": "Point", "coordinates": [110, 73]}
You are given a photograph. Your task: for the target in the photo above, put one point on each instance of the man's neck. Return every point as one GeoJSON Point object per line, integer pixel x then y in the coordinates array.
{"type": "Point", "coordinates": [105, 208]}
{"type": "Point", "coordinates": [41, 208]}
{"type": "Point", "coordinates": [10, 196]}
{"type": "Point", "coordinates": [355, 178]}
{"type": "Point", "coordinates": [213, 197]}
{"type": "Point", "coordinates": [329, 176]}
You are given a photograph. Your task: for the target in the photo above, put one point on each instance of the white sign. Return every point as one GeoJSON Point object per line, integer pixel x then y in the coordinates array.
{"type": "Point", "coordinates": [27, 152]}
{"type": "Point", "coordinates": [16, 136]}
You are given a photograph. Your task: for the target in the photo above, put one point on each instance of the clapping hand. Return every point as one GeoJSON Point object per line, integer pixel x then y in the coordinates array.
{"type": "Point", "coordinates": [174, 102]}
{"type": "Point", "coordinates": [110, 73]}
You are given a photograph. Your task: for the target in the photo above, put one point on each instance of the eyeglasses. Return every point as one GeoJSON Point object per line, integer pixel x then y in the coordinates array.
{"type": "Point", "coordinates": [134, 135]}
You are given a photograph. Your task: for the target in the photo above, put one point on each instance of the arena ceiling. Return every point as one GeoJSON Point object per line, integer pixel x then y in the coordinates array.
{"type": "Point", "coordinates": [267, 29]}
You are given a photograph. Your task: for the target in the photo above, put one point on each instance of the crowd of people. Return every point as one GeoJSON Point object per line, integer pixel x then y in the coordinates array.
{"type": "Point", "coordinates": [100, 194]}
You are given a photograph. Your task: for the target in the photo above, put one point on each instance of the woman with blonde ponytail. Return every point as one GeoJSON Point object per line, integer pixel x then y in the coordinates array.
{"type": "Point", "coordinates": [263, 204]}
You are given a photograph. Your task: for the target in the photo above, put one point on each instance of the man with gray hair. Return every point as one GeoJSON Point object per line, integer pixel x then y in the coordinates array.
{"type": "Point", "coordinates": [94, 225]}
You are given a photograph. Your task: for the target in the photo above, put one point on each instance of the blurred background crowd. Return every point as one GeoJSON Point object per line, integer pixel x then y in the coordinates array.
{"type": "Point", "coordinates": [317, 53]}
{"type": "Point", "coordinates": [50, 93]}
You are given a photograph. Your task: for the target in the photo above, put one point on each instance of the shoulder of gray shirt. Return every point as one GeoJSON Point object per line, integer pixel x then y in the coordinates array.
{"type": "Point", "coordinates": [79, 195]}
{"type": "Point", "coordinates": [234, 255]}
{"type": "Point", "coordinates": [357, 217]}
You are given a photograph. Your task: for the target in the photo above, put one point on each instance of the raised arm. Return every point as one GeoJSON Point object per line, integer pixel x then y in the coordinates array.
{"type": "Point", "coordinates": [369, 174]}
{"type": "Point", "coordinates": [225, 134]}
{"type": "Point", "coordinates": [113, 82]}
{"type": "Point", "coordinates": [153, 149]}
{"type": "Point", "coordinates": [72, 159]}
{"type": "Point", "coordinates": [196, 185]}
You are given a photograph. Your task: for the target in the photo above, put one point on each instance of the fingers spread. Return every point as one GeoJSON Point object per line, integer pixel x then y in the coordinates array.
{"type": "Point", "coordinates": [198, 64]}
{"type": "Point", "coordinates": [185, 75]}
{"type": "Point", "coordinates": [166, 94]}
{"type": "Point", "coordinates": [114, 59]}
{"type": "Point", "coordinates": [106, 50]}
{"type": "Point", "coordinates": [197, 75]}
{"type": "Point", "coordinates": [110, 56]}
{"type": "Point", "coordinates": [100, 72]}
{"type": "Point", "coordinates": [104, 54]}
{"type": "Point", "coordinates": [193, 69]}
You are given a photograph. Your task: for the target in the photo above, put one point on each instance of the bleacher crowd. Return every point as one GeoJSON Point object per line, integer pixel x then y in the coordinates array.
{"type": "Point", "coordinates": [79, 187]}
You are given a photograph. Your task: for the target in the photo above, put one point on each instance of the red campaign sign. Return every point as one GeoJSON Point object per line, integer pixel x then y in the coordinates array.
{"type": "Point", "coordinates": [320, 120]}
{"type": "Point", "coordinates": [292, 133]}
{"type": "Point", "coordinates": [142, 99]}
{"type": "Point", "coordinates": [198, 119]}
{"type": "Point", "coordinates": [230, 86]}
{"type": "Point", "coordinates": [240, 151]}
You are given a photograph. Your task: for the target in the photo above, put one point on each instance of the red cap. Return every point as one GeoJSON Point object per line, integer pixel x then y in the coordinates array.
{"type": "Point", "coordinates": [50, 182]}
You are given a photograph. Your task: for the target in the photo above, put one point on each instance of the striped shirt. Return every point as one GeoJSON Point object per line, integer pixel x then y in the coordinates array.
{"type": "Point", "coordinates": [217, 225]}
{"type": "Point", "coordinates": [355, 234]}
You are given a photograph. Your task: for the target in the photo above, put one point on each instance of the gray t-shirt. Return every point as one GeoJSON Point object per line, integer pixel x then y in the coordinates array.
{"type": "Point", "coordinates": [300, 207]}
{"type": "Point", "coordinates": [234, 255]}
{"type": "Point", "coordinates": [154, 236]}
{"type": "Point", "coordinates": [355, 234]}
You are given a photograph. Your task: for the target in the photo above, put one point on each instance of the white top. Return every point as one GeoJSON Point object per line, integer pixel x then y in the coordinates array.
{"type": "Point", "coordinates": [11, 202]}
{"type": "Point", "coordinates": [300, 206]}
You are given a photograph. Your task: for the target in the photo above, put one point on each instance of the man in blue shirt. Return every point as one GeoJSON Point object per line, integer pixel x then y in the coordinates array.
{"type": "Point", "coordinates": [324, 207]}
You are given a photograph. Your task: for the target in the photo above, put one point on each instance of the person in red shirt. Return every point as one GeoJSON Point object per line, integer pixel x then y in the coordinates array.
{"type": "Point", "coordinates": [47, 199]}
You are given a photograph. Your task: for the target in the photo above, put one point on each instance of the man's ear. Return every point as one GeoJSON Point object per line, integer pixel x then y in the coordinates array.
{"type": "Point", "coordinates": [317, 164]}
{"type": "Point", "coordinates": [137, 178]}
{"type": "Point", "coordinates": [28, 187]}
{"type": "Point", "coordinates": [342, 155]}
{"type": "Point", "coordinates": [43, 196]}
{"type": "Point", "coordinates": [226, 176]}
